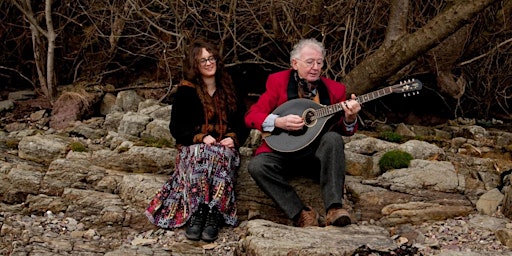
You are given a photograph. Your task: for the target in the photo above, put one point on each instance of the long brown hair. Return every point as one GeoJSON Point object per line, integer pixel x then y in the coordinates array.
{"type": "Point", "coordinates": [224, 85]}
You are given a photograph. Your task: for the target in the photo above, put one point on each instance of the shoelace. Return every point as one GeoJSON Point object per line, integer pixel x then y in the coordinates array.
{"type": "Point", "coordinates": [212, 219]}
{"type": "Point", "coordinates": [197, 218]}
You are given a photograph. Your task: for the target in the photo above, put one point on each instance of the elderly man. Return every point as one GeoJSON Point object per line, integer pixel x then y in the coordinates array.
{"type": "Point", "coordinates": [323, 154]}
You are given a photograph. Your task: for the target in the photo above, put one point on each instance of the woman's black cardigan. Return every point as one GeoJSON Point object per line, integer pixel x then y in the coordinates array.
{"type": "Point", "coordinates": [187, 118]}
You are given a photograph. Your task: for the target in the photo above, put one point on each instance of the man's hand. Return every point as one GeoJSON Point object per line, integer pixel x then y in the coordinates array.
{"type": "Point", "coordinates": [351, 108]}
{"type": "Point", "coordinates": [289, 122]}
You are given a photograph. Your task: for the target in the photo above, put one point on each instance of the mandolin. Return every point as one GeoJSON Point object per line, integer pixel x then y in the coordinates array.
{"type": "Point", "coordinates": [316, 116]}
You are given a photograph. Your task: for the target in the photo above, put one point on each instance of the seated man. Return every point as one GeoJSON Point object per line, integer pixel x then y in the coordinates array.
{"type": "Point", "coordinates": [269, 167]}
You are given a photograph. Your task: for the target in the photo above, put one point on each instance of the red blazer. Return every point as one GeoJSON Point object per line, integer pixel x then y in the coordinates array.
{"type": "Point", "coordinates": [276, 94]}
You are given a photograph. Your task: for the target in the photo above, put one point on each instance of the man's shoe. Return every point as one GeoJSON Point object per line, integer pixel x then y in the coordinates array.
{"type": "Point", "coordinates": [196, 223]}
{"type": "Point", "coordinates": [338, 217]}
{"type": "Point", "coordinates": [307, 217]}
{"type": "Point", "coordinates": [211, 228]}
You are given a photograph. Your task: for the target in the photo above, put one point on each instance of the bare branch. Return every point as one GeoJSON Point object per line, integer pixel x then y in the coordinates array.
{"type": "Point", "coordinates": [21, 75]}
{"type": "Point", "coordinates": [26, 8]}
{"type": "Point", "coordinates": [485, 54]}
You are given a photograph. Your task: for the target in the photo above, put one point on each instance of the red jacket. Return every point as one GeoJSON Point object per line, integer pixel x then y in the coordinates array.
{"type": "Point", "coordinates": [276, 94]}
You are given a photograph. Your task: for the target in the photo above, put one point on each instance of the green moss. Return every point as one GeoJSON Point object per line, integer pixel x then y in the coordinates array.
{"type": "Point", "coordinates": [440, 142]}
{"type": "Point", "coordinates": [77, 147]}
{"type": "Point", "coordinates": [394, 159]}
{"type": "Point", "coordinates": [392, 137]}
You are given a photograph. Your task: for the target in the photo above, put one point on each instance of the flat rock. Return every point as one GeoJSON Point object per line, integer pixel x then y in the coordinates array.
{"type": "Point", "coordinates": [269, 238]}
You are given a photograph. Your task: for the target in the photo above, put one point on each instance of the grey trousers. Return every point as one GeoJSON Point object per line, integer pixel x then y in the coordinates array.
{"type": "Point", "coordinates": [325, 160]}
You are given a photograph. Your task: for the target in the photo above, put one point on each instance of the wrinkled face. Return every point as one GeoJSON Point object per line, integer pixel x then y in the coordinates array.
{"type": "Point", "coordinates": [207, 64]}
{"type": "Point", "coordinates": [309, 64]}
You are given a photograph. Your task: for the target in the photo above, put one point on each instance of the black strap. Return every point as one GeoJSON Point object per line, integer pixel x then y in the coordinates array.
{"type": "Point", "coordinates": [293, 89]}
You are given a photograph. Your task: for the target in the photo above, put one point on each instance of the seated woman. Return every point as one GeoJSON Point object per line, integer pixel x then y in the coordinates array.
{"type": "Point", "coordinates": [207, 123]}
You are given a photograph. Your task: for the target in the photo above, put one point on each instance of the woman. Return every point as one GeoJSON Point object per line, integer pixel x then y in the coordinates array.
{"type": "Point", "coordinates": [207, 123]}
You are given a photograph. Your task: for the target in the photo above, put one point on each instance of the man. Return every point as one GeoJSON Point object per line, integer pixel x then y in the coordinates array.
{"type": "Point", "coordinates": [270, 168]}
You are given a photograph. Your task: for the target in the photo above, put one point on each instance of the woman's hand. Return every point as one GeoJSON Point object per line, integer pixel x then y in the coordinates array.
{"type": "Point", "coordinates": [209, 140]}
{"type": "Point", "coordinates": [228, 142]}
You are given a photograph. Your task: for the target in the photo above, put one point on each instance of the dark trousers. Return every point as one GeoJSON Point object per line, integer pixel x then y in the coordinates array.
{"type": "Point", "coordinates": [325, 159]}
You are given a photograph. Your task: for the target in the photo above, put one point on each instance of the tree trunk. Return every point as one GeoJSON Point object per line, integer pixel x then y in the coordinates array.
{"type": "Point", "coordinates": [37, 46]}
{"type": "Point", "coordinates": [50, 56]}
{"type": "Point", "coordinates": [388, 60]}
{"type": "Point", "coordinates": [45, 66]}
{"type": "Point", "coordinates": [25, 6]}
{"type": "Point", "coordinates": [397, 25]}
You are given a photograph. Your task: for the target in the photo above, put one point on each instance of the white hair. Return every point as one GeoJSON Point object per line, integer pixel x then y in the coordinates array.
{"type": "Point", "coordinates": [310, 42]}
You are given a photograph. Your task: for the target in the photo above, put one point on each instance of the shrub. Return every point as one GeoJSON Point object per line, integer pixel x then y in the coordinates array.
{"type": "Point", "coordinates": [77, 147]}
{"type": "Point", "coordinates": [394, 159]}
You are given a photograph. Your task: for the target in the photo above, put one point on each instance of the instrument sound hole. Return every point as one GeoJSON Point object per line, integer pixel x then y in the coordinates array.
{"type": "Point", "coordinates": [309, 117]}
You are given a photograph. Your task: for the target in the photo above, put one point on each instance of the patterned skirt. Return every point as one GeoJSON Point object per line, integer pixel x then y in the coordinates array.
{"type": "Point", "coordinates": [203, 174]}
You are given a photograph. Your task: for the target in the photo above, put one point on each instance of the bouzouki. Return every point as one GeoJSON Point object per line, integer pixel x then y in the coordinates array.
{"type": "Point", "coordinates": [316, 116]}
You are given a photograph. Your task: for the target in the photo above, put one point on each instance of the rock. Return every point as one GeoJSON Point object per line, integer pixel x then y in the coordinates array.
{"type": "Point", "coordinates": [418, 212]}
{"type": "Point", "coordinates": [507, 202]}
{"type": "Point", "coordinates": [421, 174]}
{"type": "Point", "coordinates": [43, 149]}
{"type": "Point", "coordinates": [489, 202]}
{"type": "Point", "coordinates": [128, 101]}
{"type": "Point", "coordinates": [403, 130]}
{"type": "Point", "coordinates": [269, 238]}
{"type": "Point", "coordinates": [133, 124]}
{"type": "Point", "coordinates": [72, 106]}
{"type": "Point", "coordinates": [22, 95]}
{"type": "Point", "coordinates": [6, 105]}
{"type": "Point", "coordinates": [107, 103]}
{"type": "Point", "coordinates": [505, 236]}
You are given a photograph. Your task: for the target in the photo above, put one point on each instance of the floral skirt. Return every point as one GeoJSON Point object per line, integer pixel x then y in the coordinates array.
{"type": "Point", "coordinates": [203, 174]}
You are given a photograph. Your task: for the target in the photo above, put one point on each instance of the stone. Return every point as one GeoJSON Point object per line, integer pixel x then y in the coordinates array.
{"type": "Point", "coordinates": [489, 202]}
{"type": "Point", "coordinates": [507, 203]}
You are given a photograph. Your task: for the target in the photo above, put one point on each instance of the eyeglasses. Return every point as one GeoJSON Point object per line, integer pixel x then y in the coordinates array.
{"type": "Point", "coordinates": [311, 62]}
{"type": "Point", "coordinates": [211, 59]}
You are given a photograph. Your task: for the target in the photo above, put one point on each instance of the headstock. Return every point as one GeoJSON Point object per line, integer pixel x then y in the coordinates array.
{"type": "Point", "coordinates": [407, 87]}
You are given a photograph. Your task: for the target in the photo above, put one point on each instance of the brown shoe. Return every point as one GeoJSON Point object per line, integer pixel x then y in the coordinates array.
{"type": "Point", "coordinates": [308, 217]}
{"type": "Point", "coordinates": [338, 217]}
